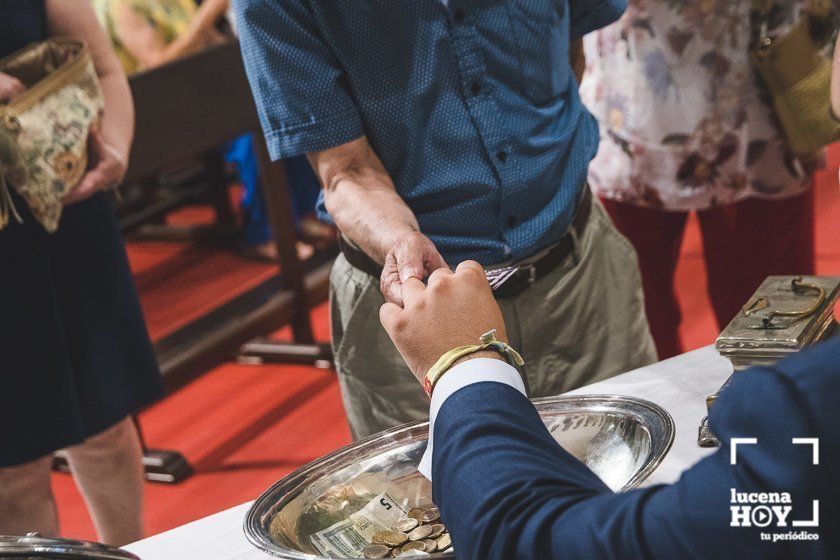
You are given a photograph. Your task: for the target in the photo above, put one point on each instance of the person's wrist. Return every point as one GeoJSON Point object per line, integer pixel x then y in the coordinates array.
{"type": "Point", "coordinates": [491, 354]}
{"type": "Point", "coordinates": [404, 234]}
{"type": "Point", "coordinates": [397, 233]}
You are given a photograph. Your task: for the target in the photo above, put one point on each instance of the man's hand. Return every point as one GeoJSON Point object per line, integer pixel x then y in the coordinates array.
{"type": "Point", "coordinates": [454, 310]}
{"type": "Point", "coordinates": [106, 169]}
{"type": "Point", "coordinates": [9, 87]}
{"type": "Point", "coordinates": [412, 256]}
{"type": "Point", "coordinates": [362, 199]}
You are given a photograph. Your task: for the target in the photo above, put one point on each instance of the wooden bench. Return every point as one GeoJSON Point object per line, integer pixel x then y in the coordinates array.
{"type": "Point", "coordinates": [187, 110]}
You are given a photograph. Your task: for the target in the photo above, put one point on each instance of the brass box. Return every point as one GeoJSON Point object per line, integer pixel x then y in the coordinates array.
{"type": "Point", "coordinates": [785, 315]}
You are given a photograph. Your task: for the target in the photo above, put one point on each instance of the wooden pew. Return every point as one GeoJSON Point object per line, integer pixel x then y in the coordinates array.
{"type": "Point", "coordinates": [188, 109]}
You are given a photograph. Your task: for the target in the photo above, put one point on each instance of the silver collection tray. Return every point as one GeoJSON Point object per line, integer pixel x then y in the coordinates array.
{"type": "Point", "coordinates": [621, 439]}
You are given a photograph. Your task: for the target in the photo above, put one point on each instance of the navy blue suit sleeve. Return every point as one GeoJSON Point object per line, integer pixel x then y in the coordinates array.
{"type": "Point", "coordinates": [589, 15]}
{"type": "Point", "coordinates": [299, 86]}
{"type": "Point", "coordinates": [508, 491]}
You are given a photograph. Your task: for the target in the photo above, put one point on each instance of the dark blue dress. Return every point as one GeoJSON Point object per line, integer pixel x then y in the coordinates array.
{"type": "Point", "coordinates": [75, 356]}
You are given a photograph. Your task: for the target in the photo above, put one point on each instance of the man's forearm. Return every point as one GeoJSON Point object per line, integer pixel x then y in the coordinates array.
{"type": "Point", "coordinates": [371, 214]}
{"type": "Point", "coordinates": [361, 197]}
{"type": "Point", "coordinates": [508, 491]}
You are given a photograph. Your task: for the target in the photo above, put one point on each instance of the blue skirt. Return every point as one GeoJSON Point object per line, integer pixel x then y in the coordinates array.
{"type": "Point", "coordinates": [75, 356]}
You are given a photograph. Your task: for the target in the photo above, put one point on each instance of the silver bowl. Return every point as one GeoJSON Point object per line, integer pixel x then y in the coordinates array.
{"type": "Point", "coordinates": [622, 439]}
{"type": "Point", "coordinates": [34, 546]}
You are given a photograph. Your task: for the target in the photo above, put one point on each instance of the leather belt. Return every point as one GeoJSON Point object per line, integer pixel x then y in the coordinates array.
{"type": "Point", "coordinates": [529, 271]}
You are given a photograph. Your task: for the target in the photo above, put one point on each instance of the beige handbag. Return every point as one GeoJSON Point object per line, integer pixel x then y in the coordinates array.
{"type": "Point", "coordinates": [44, 131]}
{"type": "Point", "coordinates": [798, 76]}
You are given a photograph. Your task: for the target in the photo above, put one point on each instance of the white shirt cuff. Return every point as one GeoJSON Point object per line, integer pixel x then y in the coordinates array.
{"type": "Point", "coordinates": [466, 373]}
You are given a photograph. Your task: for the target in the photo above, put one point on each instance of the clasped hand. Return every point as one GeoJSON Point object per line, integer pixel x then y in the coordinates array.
{"type": "Point", "coordinates": [453, 310]}
{"type": "Point", "coordinates": [106, 169]}
{"type": "Point", "coordinates": [412, 256]}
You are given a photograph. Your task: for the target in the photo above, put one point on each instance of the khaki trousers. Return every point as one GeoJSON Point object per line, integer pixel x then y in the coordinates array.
{"type": "Point", "coordinates": [583, 322]}
{"type": "Point", "coordinates": [108, 471]}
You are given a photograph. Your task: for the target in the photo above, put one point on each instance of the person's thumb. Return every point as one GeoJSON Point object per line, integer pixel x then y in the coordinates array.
{"type": "Point", "coordinates": [410, 265]}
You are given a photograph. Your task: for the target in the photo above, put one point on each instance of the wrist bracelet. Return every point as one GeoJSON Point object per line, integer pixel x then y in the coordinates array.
{"type": "Point", "coordinates": [488, 341]}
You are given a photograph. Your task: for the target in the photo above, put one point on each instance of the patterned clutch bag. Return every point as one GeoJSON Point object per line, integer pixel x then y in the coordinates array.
{"type": "Point", "coordinates": [44, 131]}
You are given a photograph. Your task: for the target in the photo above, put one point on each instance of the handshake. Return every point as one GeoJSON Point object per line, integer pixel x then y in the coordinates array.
{"type": "Point", "coordinates": [453, 309]}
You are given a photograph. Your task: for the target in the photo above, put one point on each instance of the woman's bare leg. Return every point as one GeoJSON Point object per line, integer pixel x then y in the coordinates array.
{"type": "Point", "coordinates": [26, 499]}
{"type": "Point", "coordinates": [108, 470]}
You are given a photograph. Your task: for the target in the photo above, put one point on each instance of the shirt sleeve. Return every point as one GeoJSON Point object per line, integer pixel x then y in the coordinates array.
{"type": "Point", "coordinates": [299, 86]}
{"type": "Point", "coordinates": [462, 375]}
{"type": "Point", "coordinates": [589, 15]}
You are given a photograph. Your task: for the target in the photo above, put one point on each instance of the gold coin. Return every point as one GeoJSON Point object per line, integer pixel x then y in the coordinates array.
{"type": "Point", "coordinates": [413, 546]}
{"type": "Point", "coordinates": [379, 538]}
{"type": "Point", "coordinates": [430, 545]}
{"type": "Point", "coordinates": [405, 525]}
{"type": "Point", "coordinates": [420, 533]}
{"type": "Point", "coordinates": [376, 551]}
{"type": "Point", "coordinates": [444, 541]}
{"type": "Point", "coordinates": [430, 515]}
{"type": "Point", "coordinates": [437, 530]}
{"type": "Point", "coordinates": [394, 539]}
{"type": "Point", "coordinates": [416, 513]}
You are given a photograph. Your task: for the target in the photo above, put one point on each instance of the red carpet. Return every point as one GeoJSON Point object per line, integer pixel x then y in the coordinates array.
{"type": "Point", "coordinates": [244, 426]}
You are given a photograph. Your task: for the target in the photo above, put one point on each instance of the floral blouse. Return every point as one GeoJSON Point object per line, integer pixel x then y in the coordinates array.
{"type": "Point", "coordinates": [170, 17]}
{"type": "Point", "coordinates": [684, 123]}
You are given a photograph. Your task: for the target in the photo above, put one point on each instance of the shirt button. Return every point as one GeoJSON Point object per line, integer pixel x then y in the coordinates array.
{"type": "Point", "coordinates": [501, 155]}
{"type": "Point", "coordinates": [511, 221]}
{"type": "Point", "coordinates": [475, 88]}
{"type": "Point", "coordinates": [458, 15]}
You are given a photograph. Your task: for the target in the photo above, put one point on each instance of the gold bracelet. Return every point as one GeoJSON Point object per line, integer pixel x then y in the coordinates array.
{"type": "Point", "coordinates": [488, 342]}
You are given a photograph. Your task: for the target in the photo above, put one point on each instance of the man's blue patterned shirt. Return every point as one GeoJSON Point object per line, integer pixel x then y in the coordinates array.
{"type": "Point", "coordinates": [472, 106]}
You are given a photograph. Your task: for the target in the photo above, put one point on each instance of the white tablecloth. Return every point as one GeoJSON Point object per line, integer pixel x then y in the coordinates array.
{"type": "Point", "coordinates": [679, 385]}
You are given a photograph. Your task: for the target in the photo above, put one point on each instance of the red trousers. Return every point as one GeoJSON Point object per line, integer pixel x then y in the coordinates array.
{"type": "Point", "coordinates": [743, 243]}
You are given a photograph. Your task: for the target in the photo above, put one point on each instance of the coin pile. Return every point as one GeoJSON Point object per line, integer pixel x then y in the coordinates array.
{"type": "Point", "coordinates": [420, 533]}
